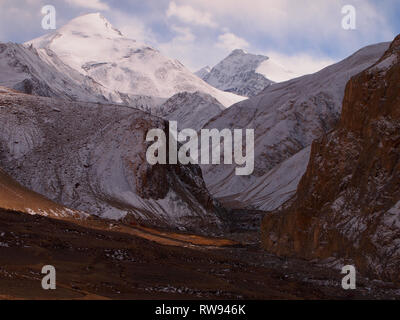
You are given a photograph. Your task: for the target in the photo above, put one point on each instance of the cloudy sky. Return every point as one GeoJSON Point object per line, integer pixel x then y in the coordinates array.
{"type": "Point", "coordinates": [303, 35]}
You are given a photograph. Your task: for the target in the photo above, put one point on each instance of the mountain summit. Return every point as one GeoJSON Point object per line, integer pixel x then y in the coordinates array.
{"type": "Point", "coordinates": [93, 47]}
{"type": "Point", "coordinates": [90, 25]}
{"type": "Point", "coordinates": [244, 73]}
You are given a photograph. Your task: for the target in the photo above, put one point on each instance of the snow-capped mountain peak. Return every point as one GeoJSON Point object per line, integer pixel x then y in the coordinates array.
{"type": "Point", "coordinates": [93, 47]}
{"type": "Point", "coordinates": [260, 64]}
{"type": "Point", "coordinates": [245, 73]}
{"type": "Point", "coordinates": [237, 74]}
{"type": "Point", "coordinates": [92, 24]}
{"type": "Point", "coordinates": [240, 61]}
{"type": "Point", "coordinates": [88, 38]}
{"type": "Point", "coordinates": [238, 51]}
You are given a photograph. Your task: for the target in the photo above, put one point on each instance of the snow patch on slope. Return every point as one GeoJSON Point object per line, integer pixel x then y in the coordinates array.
{"type": "Point", "coordinates": [275, 72]}
{"type": "Point", "coordinates": [40, 72]}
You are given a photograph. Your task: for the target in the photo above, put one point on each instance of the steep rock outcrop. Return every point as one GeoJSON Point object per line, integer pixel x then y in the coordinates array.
{"type": "Point", "coordinates": [347, 205]}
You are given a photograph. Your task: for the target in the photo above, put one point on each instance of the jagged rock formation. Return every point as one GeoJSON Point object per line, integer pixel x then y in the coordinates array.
{"type": "Point", "coordinates": [347, 205]}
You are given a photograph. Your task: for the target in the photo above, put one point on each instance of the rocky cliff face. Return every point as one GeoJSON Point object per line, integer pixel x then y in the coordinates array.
{"type": "Point", "coordinates": [347, 205]}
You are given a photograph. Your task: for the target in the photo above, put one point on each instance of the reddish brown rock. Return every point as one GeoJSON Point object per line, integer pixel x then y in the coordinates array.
{"type": "Point", "coordinates": [347, 205]}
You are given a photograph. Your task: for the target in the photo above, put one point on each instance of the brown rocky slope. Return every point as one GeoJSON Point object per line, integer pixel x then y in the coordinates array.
{"type": "Point", "coordinates": [14, 196]}
{"type": "Point", "coordinates": [347, 205]}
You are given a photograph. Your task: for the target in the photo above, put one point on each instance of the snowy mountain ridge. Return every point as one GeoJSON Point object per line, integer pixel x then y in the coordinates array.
{"type": "Point", "coordinates": [40, 72]}
{"type": "Point", "coordinates": [92, 46]}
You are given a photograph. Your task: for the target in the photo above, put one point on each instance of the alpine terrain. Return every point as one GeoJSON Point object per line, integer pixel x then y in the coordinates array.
{"type": "Point", "coordinates": [91, 46]}
{"type": "Point", "coordinates": [286, 118]}
{"type": "Point", "coordinates": [347, 205]}
{"type": "Point", "coordinates": [78, 191]}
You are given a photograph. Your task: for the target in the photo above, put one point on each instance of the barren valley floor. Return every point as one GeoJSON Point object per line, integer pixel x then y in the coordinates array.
{"type": "Point", "coordinates": [99, 260]}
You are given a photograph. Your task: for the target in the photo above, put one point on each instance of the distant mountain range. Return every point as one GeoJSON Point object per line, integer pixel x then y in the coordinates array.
{"type": "Point", "coordinates": [93, 47]}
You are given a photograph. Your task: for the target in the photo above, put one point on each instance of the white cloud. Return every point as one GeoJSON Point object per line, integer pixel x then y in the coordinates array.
{"type": "Point", "coordinates": [310, 31]}
{"type": "Point", "coordinates": [205, 30]}
{"type": "Point", "coordinates": [183, 34]}
{"type": "Point", "coordinates": [229, 41]}
{"type": "Point", "coordinates": [182, 46]}
{"type": "Point", "coordinates": [307, 20]}
{"type": "Point", "coordinates": [132, 27]}
{"type": "Point", "coordinates": [189, 15]}
{"type": "Point", "coordinates": [193, 51]}
{"type": "Point", "coordinates": [19, 21]}
{"type": "Point", "coordinates": [90, 4]}
{"type": "Point", "coordinates": [301, 63]}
